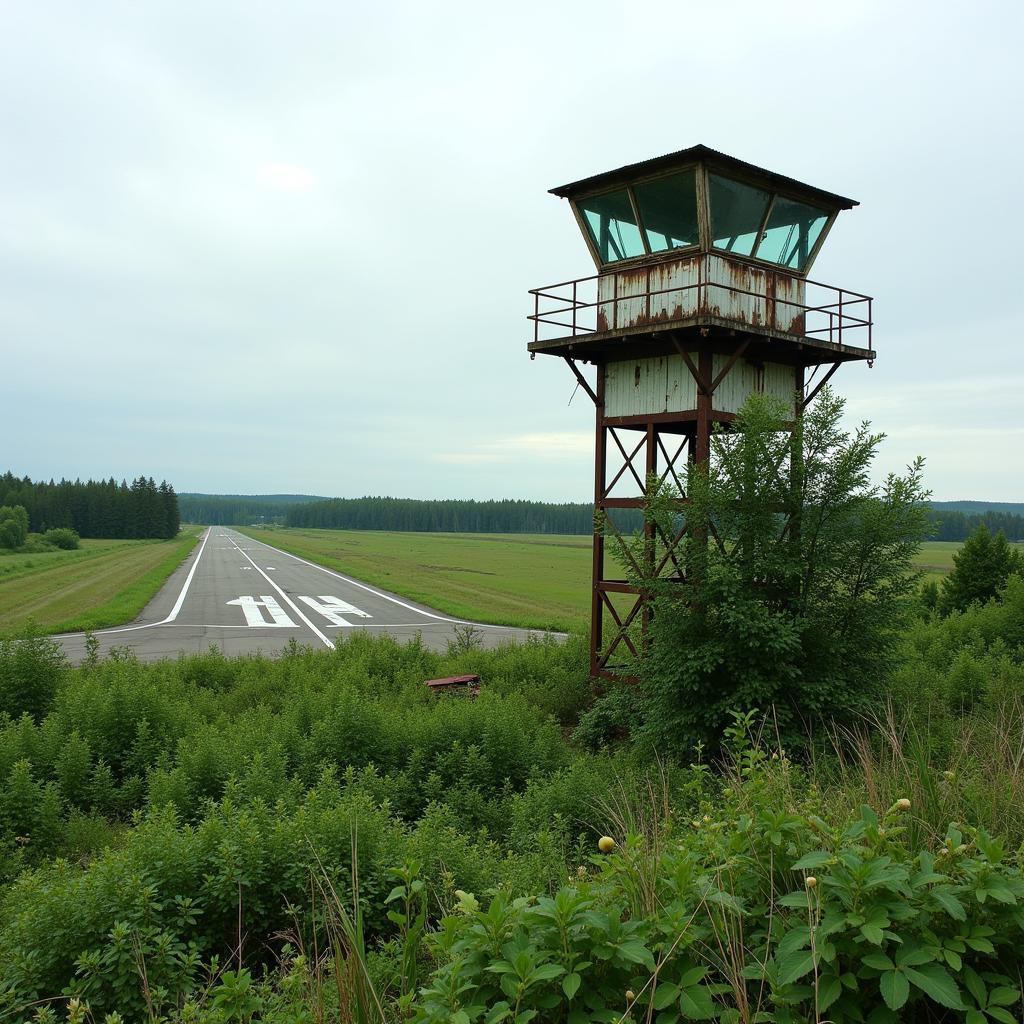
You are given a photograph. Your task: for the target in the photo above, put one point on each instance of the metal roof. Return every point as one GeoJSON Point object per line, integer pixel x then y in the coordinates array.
{"type": "Point", "coordinates": [712, 157]}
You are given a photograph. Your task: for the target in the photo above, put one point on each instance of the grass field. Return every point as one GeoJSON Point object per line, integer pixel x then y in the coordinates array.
{"type": "Point", "coordinates": [936, 556]}
{"type": "Point", "coordinates": [103, 583]}
{"type": "Point", "coordinates": [532, 580]}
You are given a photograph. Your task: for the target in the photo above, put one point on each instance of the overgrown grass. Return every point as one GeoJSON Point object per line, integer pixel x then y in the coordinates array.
{"type": "Point", "coordinates": [219, 839]}
{"type": "Point", "coordinates": [534, 581]}
{"type": "Point", "coordinates": [105, 583]}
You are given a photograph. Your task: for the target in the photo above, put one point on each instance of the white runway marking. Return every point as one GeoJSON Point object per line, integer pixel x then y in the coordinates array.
{"type": "Point", "coordinates": [327, 642]}
{"type": "Point", "coordinates": [188, 582]}
{"type": "Point", "coordinates": [174, 611]}
{"type": "Point", "coordinates": [254, 617]}
{"type": "Point", "coordinates": [333, 608]}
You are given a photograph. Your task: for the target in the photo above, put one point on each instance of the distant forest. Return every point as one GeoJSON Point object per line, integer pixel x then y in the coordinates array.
{"type": "Point", "coordinates": [953, 525]}
{"type": "Point", "coordinates": [444, 516]}
{"type": "Point", "coordinates": [239, 509]}
{"type": "Point", "coordinates": [950, 520]}
{"type": "Point", "coordinates": [97, 508]}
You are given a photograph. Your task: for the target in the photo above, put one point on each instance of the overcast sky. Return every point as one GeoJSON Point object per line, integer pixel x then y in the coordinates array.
{"type": "Point", "coordinates": [286, 247]}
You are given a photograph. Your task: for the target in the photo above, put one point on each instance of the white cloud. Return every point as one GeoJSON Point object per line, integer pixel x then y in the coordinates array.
{"type": "Point", "coordinates": [287, 177]}
{"type": "Point", "coordinates": [548, 446]}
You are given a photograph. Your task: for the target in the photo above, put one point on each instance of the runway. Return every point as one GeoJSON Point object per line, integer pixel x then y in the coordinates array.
{"type": "Point", "coordinates": [242, 596]}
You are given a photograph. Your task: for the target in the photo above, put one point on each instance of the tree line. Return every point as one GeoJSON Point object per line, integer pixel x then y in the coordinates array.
{"type": "Point", "coordinates": [96, 508]}
{"type": "Point", "coordinates": [238, 509]}
{"type": "Point", "coordinates": [499, 516]}
{"type": "Point", "coordinates": [443, 516]}
{"type": "Point", "coordinates": [947, 525]}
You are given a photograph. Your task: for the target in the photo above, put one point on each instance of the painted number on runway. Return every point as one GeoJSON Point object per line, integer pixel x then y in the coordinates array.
{"type": "Point", "coordinates": [253, 611]}
{"type": "Point", "coordinates": [333, 609]}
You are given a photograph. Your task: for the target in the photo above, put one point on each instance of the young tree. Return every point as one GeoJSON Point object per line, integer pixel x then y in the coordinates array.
{"type": "Point", "coordinates": [980, 570]}
{"type": "Point", "coordinates": [13, 526]}
{"type": "Point", "coordinates": [796, 574]}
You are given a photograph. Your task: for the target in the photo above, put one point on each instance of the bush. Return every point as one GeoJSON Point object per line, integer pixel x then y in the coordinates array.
{"type": "Point", "coordinates": [31, 667]}
{"type": "Point", "coordinates": [757, 909]}
{"type": "Point", "coordinates": [13, 526]}
{"type": "Point", "coordinates": [62, 537]}
{"type": "Point", "coordinates": [791, 585]}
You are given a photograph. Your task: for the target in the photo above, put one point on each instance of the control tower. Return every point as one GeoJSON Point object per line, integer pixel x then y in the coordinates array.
{"type": "Point", "coordinates": [701, 297]}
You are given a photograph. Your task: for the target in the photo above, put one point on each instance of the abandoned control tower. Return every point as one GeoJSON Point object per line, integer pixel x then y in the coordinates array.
{"type": "Point", "coordinates": [701, 298]}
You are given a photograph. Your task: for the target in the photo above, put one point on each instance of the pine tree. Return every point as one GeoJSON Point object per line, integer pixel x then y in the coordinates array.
{"type": "Point", "coordinates": [980, 570]}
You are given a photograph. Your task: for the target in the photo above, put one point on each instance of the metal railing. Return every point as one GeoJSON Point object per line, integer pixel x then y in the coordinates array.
{"type": "Point", "coordinates": [577, 308]}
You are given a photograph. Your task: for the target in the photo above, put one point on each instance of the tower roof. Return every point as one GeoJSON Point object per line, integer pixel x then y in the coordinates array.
{"type": "Point", "coordinates": [713, 158]}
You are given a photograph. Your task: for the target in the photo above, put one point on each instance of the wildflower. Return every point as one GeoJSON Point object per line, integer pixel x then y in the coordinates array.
{"type": "Point", "coordinates": [811, 882]}
{"type": "Point", "coordinates": [630, 995]}
{"type": "Point", "coordinates": [606, 844]}
{"type": "Point", "coordinates": [581, 872]}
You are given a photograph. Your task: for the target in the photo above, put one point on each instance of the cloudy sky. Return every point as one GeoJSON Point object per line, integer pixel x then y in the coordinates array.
{"type": "Point", "coordinates": [285, 247]}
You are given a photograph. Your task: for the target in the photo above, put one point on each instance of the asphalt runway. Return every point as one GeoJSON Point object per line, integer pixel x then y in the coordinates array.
{"type": "Point", "coordinates": [242, 596]}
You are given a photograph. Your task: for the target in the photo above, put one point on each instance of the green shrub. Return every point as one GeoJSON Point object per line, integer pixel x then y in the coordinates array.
{"type": "Point", "coordinates": [980, 570]}
{"type": "Point", "coordinates": [790, 585]}
{"type": "Point", "coordinates": [62, 537]}
{"type": "Point", "coordinates": [31, 667]}
{"type": "Point", "coordinates": [13, 526]}
{"type": "Point", "coordinates": [757, 909]}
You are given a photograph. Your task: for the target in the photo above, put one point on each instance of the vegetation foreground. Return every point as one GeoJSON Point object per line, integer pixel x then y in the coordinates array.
{"type": "Point", "coordinates": [318, 838]}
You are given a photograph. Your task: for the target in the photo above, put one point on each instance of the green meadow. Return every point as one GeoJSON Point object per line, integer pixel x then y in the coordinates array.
{"type": "Point", "coordinates": [535, 581]}
{"type": "Point", "coordinates": [539, 581]}
{"type": "Point", "coordinates": [102, 583]}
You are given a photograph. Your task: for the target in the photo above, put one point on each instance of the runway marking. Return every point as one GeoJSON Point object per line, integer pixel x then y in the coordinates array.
{"type": "Point", "coordinates": [395, 600]}
{"type": "Point", "coordinates": [254, 617]}
{"type": "Point", "coordinates": [380, 593]}
{"type": "Point", "coordinates": [327, 642]}
{"type": "Point", "coordinates": [188, 581]}
{"type": "Point", "coordinates": [333, 608]}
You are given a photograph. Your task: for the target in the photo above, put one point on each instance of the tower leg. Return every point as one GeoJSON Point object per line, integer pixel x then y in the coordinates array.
{"type": "Point", "coordinates": [596, 605]}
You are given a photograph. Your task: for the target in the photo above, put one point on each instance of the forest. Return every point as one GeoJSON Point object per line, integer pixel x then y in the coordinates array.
{"type": "Point", "coordinates": [443, 516]}
{"type": "Point", "coordinates": [239, 509]}
{"type": "Point", "coordinates": [96, 508]}
{"type": "Point", "coordinates": [495, 516]}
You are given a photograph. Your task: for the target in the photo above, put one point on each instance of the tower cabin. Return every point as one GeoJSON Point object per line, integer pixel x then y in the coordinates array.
{"type": "Point", "coordinates": [701, 297]}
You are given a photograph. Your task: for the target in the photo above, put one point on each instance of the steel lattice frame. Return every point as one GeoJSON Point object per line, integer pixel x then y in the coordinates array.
{"type": "Point", "coordinates": [654, 449]}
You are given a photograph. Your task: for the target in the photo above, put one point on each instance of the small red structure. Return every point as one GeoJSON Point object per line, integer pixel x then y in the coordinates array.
{"type": "Point", "coordinates": [459, 685]}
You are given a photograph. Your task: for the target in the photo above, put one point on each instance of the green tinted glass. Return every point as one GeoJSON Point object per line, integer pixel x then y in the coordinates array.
{"type": "Point", "coordinates": [736, 214]}
{"type": "Point", "coordinates": [668, 210]}
{"type": "Point", "coordinates": [791, 232]}
{"type": "Point", "coordinates": [612, 226]}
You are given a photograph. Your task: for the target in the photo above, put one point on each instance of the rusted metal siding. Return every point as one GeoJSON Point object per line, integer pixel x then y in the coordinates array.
{"type": "Point", "coordinates": [746, 378]}
{"type": "Point", "coordinates": [637, 387]}
{"type": "Point", "coordinates": [706, 284]}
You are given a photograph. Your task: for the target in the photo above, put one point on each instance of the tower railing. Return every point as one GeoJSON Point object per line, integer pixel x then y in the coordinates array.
{"type": "Point", "coordinates": [788, 305]}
